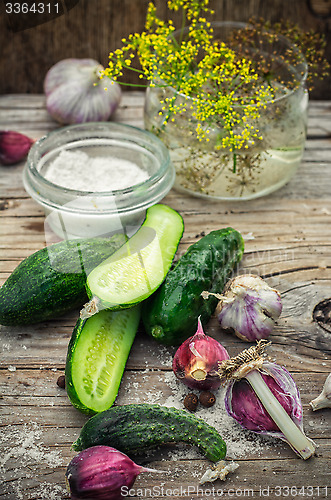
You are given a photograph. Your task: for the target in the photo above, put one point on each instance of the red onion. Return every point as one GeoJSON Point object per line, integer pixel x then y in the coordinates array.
{"type": "Point", "coordinates": [197, 360]}
{"type": "Point", "coordinates": [101, 473]}
{"type": "Point", "coordinates": [262, 397]}
{"type": "Point", "coordinates": [13, 147]}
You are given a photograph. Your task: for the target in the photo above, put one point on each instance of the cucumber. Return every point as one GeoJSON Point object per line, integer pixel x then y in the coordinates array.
{"type": "Point", "coordinates": [51, 281]}
{"type": "Point", "coordinates": [96, 357]}
{"type": "Point", "coordinates": [133, 428]}
{"type": "Point", "coordinates": [171, 314]}
{"type": "Point", "coordinates": [138, 268]}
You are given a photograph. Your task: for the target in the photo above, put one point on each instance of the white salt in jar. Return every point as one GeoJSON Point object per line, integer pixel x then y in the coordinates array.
{"type": "Point", "coordinates": [95, 179]}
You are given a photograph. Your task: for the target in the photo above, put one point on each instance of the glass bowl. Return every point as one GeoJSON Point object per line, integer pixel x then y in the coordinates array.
{"type": "Point", "coordinates": [275, 135]}
{"type": "Point", "coordinates": [88, 213]}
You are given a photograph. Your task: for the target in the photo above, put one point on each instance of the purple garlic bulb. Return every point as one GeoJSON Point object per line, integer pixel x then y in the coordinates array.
{"type": "Point", "coordinates": [249, 307]}
{"type": "Point", "coordinates": [262, 397]}
{"type": "Point", "coordinates": [101, 473]}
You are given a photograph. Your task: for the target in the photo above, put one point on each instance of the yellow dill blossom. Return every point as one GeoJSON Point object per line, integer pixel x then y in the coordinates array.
{"type": "Point", "coordinates": [222, 89]}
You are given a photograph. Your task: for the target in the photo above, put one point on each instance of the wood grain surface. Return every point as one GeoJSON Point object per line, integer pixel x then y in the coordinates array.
{"type": "Point", "coordinates": [93, 28]}
{"type": "Point", "coordinates": [287, 241]}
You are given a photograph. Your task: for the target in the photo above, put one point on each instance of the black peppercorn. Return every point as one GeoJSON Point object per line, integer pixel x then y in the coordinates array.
{"type": "Point", "coordinates": [207, 399]}
{"type": "Point", "coordinates": [191, 401]}
{"type": "Point", "coordinates": [61, 381]}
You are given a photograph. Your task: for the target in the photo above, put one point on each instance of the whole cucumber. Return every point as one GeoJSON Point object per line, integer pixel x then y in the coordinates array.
{"type": "Point", "coordinates": [51, 281]}
{"type": "Point", "coordinates": [171, 314]}
{"type": "Point", "coordinates": [133, 428]}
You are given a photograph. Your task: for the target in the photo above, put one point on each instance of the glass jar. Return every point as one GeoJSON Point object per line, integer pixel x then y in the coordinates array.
{"type": "Point", "coordinates": [259, 166]}
{"type": "Point", "coordinates": [86, 213]}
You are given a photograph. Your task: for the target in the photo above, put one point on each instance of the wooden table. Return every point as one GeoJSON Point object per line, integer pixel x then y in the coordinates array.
{"type": "Point", "coordinates": [288, 241]}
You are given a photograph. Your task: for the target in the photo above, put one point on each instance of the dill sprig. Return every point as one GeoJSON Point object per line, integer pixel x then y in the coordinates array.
{"type": "Point", "coordinates": [219, 84]}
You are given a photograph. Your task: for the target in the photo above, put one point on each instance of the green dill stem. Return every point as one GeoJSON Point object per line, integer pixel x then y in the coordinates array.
{"type": "Point", "coordinates": [234, 163]}
{"type": "Point", "coordinates": [182, 27]}
{"type": "Point", "coordinates": [132, 84]}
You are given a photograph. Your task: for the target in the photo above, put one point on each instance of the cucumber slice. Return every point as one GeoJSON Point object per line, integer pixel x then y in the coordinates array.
{"type": "Point", "coordinates": [96, 358]}
{"type": "Point", "coordinates": [138, 268]}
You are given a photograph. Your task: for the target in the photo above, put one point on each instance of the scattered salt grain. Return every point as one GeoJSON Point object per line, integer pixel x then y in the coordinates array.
{"type": "Point", "coordinates": [240, 442]}
{"type": "Point", "coordinates": [11, 368]}
{"type": "Point", "coordinates": [22, 450]}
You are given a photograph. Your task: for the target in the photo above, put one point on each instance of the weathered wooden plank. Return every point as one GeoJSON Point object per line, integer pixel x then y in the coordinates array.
{"type": "Point", "coordinates": [287, 241]}
{"type": "Point", "coordinates": [305, 341]}
{"type": "Point", "coordinates": [181, 480]}
{"type": "Point", "coordinates": [26, 386]}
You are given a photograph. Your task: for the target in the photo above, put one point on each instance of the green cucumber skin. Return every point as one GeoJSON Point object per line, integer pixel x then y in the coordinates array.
{"type": "Point", "coordinates": [36, 291]}
{"type": "Point", "coordinates": [76, 337]}
{"type": "Point", "coordinates": [171, 314]}
{"type": "Point", "coordinates": [155, 215]}
{"type": "Point", "coordinates": [135, 427]}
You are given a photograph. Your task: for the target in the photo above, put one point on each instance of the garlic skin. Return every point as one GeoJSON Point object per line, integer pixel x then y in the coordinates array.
{"type": "Point", "coordinates": [13, 147]}
{"type": "Point", "coordinates": [76, 93]}
{"type": "Point", "coordinates": [197, 359]}
{"type": "Point", "coordinates": [250, 307]}
{"type": "Point", "coordinates": [324, 399]}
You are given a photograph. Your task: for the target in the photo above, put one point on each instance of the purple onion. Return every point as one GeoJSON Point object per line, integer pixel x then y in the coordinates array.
{"type": "Point", "coordinates": [101, 473]}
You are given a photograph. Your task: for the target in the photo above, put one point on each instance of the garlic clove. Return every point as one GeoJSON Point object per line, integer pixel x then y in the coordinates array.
{"type": "Point", "coordinates": [13, 147]}
{"type": "Point", "coordinates": [324, 399]}
{"type": "Point", "coordinates": [197, 359]}
{"type": "Point", "coordinates": [102, 473]}
{"type": "Point", "coordinates": [77, 93]}
{"type": "Point", "coordinates": [249, 307]}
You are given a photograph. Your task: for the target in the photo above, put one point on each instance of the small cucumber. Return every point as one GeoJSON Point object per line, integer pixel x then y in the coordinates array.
{"type": "Point", "coordinates": [137, 269]}
{"type": "Point", "coordinates": [96, 358]}
{"type": "Point", "coordinates": [51, 281]}
{"type": "Point", "coordinates": [135, 427]}
{"type": "Point", "coordinates": [171, 314]}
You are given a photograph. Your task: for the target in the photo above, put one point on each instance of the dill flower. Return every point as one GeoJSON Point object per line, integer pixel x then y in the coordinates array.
{"type": "Point", "coordinates": [222, 84]}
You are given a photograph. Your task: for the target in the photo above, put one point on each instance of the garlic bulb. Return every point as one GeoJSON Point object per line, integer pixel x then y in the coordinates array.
{"type": "Point", "coordinates": [76, 93]}
{"type": "Point", "coordinates": [324, 399]}
{"type": "Point", "coordinates": [249, 307]}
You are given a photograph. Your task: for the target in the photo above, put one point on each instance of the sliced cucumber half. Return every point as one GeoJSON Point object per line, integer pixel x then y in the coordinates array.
{"type": "Point", "coordinates": [138, 268]}
{"type": "Point", "coordinates": [96, 358]}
